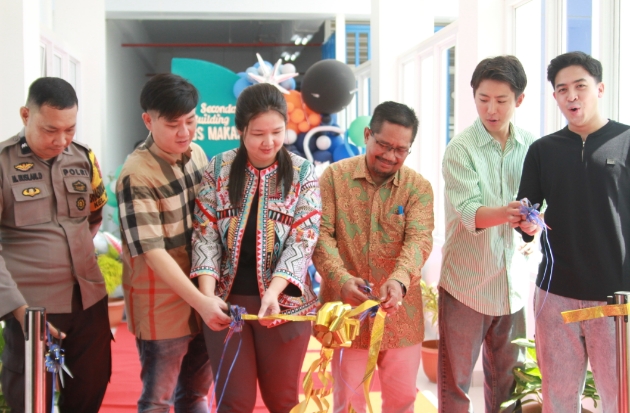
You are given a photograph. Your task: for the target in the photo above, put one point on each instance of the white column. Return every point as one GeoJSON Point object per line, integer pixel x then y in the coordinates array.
{"type": "Point", "coordinates": [19, 53]}
{"type": "Point", "coordinates": [340, 38]}
{"type": "Point", "coordinates": [623, 50]}
{"type": "Point", "coordinates": [481, 34]}
{"type": "Point", "coordinates": [396, 26]}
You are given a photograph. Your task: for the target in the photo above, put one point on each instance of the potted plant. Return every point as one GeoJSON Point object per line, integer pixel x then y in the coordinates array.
{"type": "Point", "coordinates": [108, 259]}
{"type": "Point", "coordinates": [529, 382]}
{"type": "Point", "coordinates": [430, 347]}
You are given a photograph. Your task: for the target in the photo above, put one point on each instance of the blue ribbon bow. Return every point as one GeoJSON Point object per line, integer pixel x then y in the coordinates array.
{"type": "Point", "coordinates": [236, 326]}
{"type": "Point", "coordinates": [532, 215]}
{"type": "Point", "coordinates": [55, 361]}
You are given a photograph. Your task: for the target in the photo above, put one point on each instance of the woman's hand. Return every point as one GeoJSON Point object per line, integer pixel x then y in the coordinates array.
{"type": "Point", "coordinates": [269, 303]}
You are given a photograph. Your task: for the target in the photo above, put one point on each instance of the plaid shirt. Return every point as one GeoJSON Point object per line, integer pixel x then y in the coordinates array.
{"type": "Point", "coordinates": [156, 194]}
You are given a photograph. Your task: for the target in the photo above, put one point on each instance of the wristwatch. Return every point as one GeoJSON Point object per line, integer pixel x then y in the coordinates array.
{"type": "Point", "coordinates": [404, 289]}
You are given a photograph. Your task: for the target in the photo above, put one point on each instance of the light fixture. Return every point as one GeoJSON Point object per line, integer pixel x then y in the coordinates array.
{"type": "Point", "coordinates": [294, 56]}
{"type": "Point", "coordinates": [307, 39]}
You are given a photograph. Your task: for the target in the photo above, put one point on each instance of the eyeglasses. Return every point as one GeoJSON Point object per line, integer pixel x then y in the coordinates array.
{"type": "Point", "coordinates": [385, 148]}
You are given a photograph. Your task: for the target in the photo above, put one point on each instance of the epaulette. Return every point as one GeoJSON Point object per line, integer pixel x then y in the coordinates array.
{"type": "Point", "coordinates": [82, 145]}
{"type": "Point", "coordinates": [9, 142]}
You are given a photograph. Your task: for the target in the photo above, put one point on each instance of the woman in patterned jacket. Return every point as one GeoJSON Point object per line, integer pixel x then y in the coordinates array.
{"type": "Point", "coordinates": [256, 224]}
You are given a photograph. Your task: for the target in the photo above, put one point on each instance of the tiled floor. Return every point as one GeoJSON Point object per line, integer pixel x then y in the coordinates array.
{"type": "Point", "coordinates": [429, 390]}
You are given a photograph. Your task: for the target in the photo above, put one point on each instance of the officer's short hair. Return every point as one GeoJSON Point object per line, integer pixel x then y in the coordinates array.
{"type": "Point", "coordinates": [507, 69]}
{"type": "Point", "coordinates": [51, 91]}
{"type": "Point", "coordinates": [171, 96]}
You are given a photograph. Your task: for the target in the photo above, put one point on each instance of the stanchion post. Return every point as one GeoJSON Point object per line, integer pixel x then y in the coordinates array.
{"type": "Point", "coordinates": [34, 335]}
{"type": "Point", "coordinates": [623, 353]}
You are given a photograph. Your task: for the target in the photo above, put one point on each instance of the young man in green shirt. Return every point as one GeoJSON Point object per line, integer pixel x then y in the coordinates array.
{"type": "Point", "coordinates": [484, 279]}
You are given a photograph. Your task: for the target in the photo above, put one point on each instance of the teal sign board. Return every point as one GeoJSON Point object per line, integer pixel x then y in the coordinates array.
{"type": "Point", "coordinates": [216, 132]}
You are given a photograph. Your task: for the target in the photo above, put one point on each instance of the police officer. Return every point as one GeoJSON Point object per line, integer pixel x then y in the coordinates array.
{"type": "Point", "coordinates": [51, 199]}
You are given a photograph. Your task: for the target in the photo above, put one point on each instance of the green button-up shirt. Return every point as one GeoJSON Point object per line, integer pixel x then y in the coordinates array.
{"type": "Point", "coordinates": [482, 268]}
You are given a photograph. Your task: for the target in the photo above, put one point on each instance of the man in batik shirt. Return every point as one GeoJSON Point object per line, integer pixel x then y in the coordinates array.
{"type": "Point", "coordinates": [376, 231]}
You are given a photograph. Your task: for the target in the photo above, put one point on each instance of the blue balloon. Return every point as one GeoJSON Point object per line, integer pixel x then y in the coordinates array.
{"type": "Point", "coordinates": [239, 85]}
{"type": "Point", "coordinates": [269, 65]}
{"type": "Point", "coordinates": [334, 119]}
{"type": "Point", "coordinates": [345, 151]}
{"type": "Point", "coordinates": [335, 141]}
{"type": "Point", "coordinates": [312, 144]}
{"type": "Point", "coordinates": [288, 84]}
{"type": "Point", "coordinates": [253, 71]}
{"type": "Point", "coordinates": [241, 74]}
{"type": "Point", "coordinates": [322, 156]}
{"type": "Point", "coordinates": [326, 119]}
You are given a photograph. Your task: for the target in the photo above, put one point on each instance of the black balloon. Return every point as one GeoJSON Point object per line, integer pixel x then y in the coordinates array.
{"type": "Point", "coordinates": [328, 86]}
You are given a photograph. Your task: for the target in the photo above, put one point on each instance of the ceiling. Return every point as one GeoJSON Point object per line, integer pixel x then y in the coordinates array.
{"type": "Point", "coordinates": [228, 31]}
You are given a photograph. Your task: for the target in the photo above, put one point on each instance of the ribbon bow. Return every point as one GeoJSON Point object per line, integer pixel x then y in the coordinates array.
{"type": "Point", "coordinates": [336, 327]}
{"type": "Point", "coordinates": [55, 361]}
{"type": "Point", "coordinates": [531, 213]}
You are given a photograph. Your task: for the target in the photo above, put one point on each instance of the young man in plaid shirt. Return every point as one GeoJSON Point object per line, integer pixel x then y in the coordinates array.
{"type": "Point", "coordinates": [156, 193]}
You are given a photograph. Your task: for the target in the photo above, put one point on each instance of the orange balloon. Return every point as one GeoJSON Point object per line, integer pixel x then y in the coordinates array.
{"type": "Point", "coordinates": [297, 115]}
{"type": "Point", "coordinates": [294, 97]}
{"type": "Point", "coordinates": [304, 126]}
{"type": "Point", "coordinates": [314, 119]}
{"type": "Point", "coordinates": [290, 107]}
{"type": "Point", "coordinates": [293, 126]}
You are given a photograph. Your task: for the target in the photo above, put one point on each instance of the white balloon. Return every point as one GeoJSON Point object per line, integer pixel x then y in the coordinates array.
{"type": "Point", "coordinates": [100, 243]}
{"type": "Point", "coordinates": [291, 137]}
{"type": "Point", "coordinates": [323, 143]}
{"type": "Point", "coordinates": [287, 68]}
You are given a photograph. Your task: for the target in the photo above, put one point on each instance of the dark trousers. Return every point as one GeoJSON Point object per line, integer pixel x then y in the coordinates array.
{"type": "Point", "coordinates": [87, 355]}
{"type": "Point", "coordinates": [271, 356]}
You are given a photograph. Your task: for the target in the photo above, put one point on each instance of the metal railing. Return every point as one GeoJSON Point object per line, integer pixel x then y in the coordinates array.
{"type": "Point", "coordinates": [35, 336]}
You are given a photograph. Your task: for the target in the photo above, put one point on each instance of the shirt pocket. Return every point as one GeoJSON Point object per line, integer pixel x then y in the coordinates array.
{"type": "Point", "coordinates": [79, 190]}
{"type": "Point", "coordinates": [31, 204]}
{"type": "Point", "coordinates": [393, 227]}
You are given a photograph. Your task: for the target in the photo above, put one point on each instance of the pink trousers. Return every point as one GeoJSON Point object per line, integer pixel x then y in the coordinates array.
{"type": "Point", "coordinates": [397, 371]}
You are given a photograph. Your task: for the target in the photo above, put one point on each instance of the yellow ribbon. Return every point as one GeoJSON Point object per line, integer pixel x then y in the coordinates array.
{"type": "Point", "coordinates": [335, 327]}
{"type": "Point", "coordinates": [592, 313]}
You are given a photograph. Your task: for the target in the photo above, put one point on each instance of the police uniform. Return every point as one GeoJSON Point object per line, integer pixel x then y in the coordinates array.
{"type": "Point", "coordinates": [48, 213]}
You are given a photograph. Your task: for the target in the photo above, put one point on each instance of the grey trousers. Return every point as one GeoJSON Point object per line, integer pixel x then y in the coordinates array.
{"type": "Point", "coordinates": [563, 351]}
{"type": "Point", "coordinates": [462, 332]}
{"type": "Point", "coordinates": [271, 356]}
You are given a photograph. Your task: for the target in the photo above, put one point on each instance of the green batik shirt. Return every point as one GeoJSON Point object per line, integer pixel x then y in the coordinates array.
{"type": "Point", "coordinates": [376, 233]}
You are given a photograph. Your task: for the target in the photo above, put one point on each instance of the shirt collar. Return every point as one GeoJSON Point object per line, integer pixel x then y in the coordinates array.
{"type": "Point", "coordinates": [26, 150]}
{"type": "Point", "coordinates": [483, 137]}
{"type": "Point", "coordinates": [171, 158]}
{"type": "Point", "coordinates": [361, 172]}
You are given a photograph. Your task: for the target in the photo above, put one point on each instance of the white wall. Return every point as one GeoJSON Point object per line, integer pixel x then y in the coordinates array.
{"type": "Point", "coordinates": [19, 48]}
{"type": "Point", "coordinates": [80, 27]}
{"type": "Point", "coordinates": [127, 72]}
{"type": "Point", "coordinates": [394, 32]}
{"type": "Point", "coordinates": [481, 35]}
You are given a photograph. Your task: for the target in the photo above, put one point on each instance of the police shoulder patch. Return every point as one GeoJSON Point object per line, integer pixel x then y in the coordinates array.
{"type": "Point", "coordinates": [79, 186]}
{"type": "Point", "coordinates": [81, 203]}
{"type": "Point", "coordinates": [24, 166]}
{"type": "Point", "coordinates": [31, 192]}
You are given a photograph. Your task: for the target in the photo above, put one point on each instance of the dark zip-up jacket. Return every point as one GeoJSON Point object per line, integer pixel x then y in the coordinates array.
{"type": "Point", "coordinates": [586, 186]}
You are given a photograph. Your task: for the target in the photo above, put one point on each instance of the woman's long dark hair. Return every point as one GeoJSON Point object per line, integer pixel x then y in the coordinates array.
{"type": "Point", "coordinates": [252, 102]}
